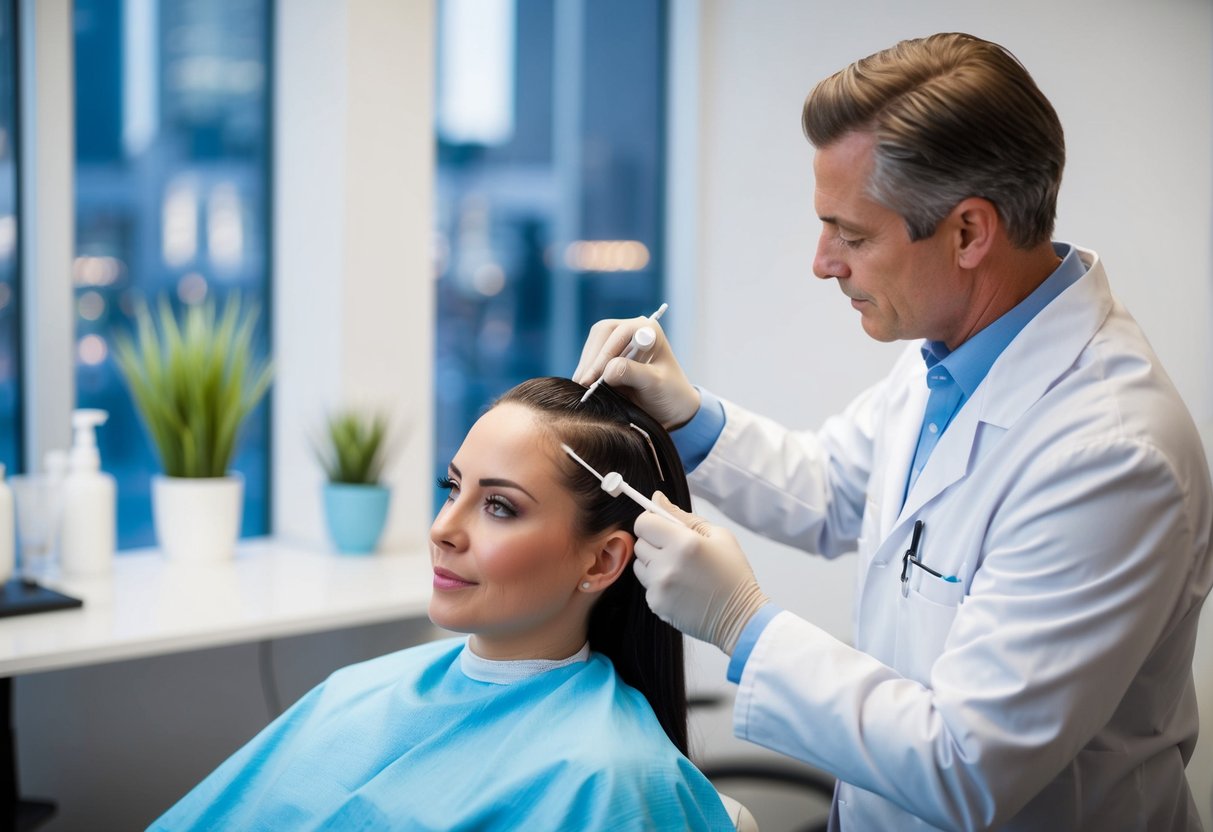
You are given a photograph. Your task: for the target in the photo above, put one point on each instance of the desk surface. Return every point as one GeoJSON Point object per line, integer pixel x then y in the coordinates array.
{"type": "Point", "coordinates": [151, 606]}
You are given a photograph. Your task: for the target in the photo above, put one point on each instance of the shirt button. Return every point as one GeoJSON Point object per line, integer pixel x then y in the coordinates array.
{"type": "Point", "coordinates": [933, 428]}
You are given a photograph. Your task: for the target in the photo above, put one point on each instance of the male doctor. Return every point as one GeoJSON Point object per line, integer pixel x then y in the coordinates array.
{"type": "Point", "coordinates": [1027, 493]}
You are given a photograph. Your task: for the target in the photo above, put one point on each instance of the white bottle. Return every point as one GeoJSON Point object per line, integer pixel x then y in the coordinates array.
{"type": "Point", "coordinates": [8, 530]}
{"type": "Point", "coordinates": [88, 536]}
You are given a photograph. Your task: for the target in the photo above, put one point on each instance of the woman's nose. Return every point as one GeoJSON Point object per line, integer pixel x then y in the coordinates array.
{"type": "Point", "coordinates": [447, 529]}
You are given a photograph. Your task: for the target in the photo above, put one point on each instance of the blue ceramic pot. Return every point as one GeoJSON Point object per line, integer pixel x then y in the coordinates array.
{"type": "Point", "coordinates": [356, 515]}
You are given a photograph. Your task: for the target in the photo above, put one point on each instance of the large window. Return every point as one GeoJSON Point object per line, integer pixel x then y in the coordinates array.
{"type": "Point", "coordinates": [172, 144]}
{"type": "Point", "coordinates": [10, 332]}
{"type": "Point", "coordinates": [550, 130]}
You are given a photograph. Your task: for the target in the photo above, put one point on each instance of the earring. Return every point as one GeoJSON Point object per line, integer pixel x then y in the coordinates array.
{"type": "Point", "coordinates": [585, 584]}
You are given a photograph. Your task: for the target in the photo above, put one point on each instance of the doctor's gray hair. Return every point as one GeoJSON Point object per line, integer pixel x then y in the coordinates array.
{"type": "Point", "coordinates": [954, 116]}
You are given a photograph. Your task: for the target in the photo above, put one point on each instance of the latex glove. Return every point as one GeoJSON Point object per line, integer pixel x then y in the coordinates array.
{"type": "Point", "coordinates": [696, 576]}
{"type": "Point", "coordinates": [655, 382]}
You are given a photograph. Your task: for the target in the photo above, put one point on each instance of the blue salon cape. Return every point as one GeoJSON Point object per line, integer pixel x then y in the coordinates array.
{"type": "Point", "coordinates": [408, 741]}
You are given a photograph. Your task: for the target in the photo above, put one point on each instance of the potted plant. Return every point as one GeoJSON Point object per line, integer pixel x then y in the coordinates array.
{"type": "Point", "coordinates": [194, 383]}
{"type": "Point", "coordinates": [353, 452]}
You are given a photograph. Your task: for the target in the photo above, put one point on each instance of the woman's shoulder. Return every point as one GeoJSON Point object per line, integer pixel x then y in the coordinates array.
{"type": "Point", "coordinates": [624, 721]}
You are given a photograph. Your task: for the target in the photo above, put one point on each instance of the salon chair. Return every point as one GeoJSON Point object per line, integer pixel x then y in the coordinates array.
{"type": "Point", "coordinates": [742, 819]}
{"type": "Point", "coordinates": [792, 778]}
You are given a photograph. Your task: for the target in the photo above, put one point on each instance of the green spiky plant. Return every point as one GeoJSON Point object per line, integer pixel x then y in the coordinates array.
{"type": "Point", "coordinates": [194, 382]}
{"type": "Point", "coordinates": [354, 449]}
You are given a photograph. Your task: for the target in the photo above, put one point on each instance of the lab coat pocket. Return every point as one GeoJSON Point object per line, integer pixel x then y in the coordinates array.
{"type": "Point", "coordinates": [924, 618]}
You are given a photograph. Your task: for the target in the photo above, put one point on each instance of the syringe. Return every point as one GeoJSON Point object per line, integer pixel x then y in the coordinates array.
{"type": "Point", "coordinates": [642, 341]}
{"type": "Point", "coordinates": [613, 484]}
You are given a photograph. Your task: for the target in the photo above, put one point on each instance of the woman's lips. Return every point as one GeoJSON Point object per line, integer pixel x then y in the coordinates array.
{"type": "Point", "coordinates": [445, 579]}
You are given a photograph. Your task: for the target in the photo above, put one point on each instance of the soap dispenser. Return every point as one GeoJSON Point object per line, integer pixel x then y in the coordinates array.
{"type": "Point", "coordinates": [88, 536]}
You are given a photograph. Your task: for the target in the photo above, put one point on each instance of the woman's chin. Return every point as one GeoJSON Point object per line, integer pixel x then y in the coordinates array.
{"type": "Point", "coordinates": [442, 617]}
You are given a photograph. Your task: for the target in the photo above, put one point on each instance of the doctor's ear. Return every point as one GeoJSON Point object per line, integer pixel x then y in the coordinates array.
{"type": "Point", "coordinates": [975, 222]}
{"type": "Point", "coordinates": [611, 556]}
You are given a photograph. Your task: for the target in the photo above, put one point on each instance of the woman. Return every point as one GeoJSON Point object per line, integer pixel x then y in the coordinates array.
{"type": "Point", "coordinates": [565, 708]}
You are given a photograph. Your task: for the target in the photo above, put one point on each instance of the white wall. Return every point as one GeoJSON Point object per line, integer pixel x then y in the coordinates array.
{"type": "Point", "coordinates": [1132, 83]}
{"type": "Point", "coordinates": [353, 231]}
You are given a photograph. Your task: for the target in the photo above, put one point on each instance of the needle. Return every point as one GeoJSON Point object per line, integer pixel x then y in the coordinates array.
{"type": "Point", "coordinates": [614, 485]}
{"type": "Point", "coordinates": [642, 341]}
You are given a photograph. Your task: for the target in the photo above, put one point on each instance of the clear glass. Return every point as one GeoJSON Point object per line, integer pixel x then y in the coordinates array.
{"type": "Point", "coordinates": [37, 506]}
{"type": "Point", "coordinates": [549, 191]}
{"type": "Point", "coordinates": [172, 200]}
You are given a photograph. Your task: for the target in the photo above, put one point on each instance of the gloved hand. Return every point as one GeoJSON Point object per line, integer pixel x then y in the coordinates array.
{"type": "Point", "coordinates": [696, 576]}
{"type": "Point", "coordinates": [655, 381]}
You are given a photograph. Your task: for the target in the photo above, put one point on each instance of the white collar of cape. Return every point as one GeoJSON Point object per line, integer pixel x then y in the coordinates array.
{"type": "Point", "coordinates": [499, 672]}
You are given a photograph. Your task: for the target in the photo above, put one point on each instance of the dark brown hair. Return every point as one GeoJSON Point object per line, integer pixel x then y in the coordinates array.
{"type": "Point", "coordinates": [647, 652]}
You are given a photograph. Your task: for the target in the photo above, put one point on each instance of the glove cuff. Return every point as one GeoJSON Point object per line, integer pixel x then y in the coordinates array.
{"type": "Point", "coordinates": [737, 613]}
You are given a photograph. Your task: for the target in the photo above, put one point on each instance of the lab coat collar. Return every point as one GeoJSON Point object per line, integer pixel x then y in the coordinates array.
{"type": "Point", "coordinates": [1046, 347]}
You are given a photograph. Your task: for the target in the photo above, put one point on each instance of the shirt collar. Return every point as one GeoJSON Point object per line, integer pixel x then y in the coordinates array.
{"type": "Point", "coordinates": [504, 672]}
{"type": "Point", "coordinates": [969, 363]}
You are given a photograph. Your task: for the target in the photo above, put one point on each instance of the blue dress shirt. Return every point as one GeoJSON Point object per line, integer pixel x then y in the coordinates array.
{"type": "Point", "coordinates": [952, 377]}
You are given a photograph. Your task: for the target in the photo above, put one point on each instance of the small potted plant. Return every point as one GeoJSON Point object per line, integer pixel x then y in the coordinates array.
{"type": "Point", "coordinates": [353, 453]}
{"type": "Point", "coordinates": [194, 383]}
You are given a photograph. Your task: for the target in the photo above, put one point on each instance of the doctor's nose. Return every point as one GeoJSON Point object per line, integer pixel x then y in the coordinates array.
{"type": "Point", "coordinates": [826, 263]}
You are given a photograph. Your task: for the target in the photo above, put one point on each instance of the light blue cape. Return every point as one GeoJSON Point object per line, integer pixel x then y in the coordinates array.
{"type": "Point", "coordinates": [409, 741]}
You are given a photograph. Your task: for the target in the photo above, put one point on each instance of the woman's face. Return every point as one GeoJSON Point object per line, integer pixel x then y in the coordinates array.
{"type": "Point", "coordinates": [508, 561]}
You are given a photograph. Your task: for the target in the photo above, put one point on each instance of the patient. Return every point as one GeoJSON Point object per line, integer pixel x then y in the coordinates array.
{"type": "Point", "coordinates": [564, 708]}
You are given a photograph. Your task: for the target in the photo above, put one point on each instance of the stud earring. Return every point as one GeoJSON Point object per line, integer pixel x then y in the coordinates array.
{"type": "Point", "coordinates": [585, 584]}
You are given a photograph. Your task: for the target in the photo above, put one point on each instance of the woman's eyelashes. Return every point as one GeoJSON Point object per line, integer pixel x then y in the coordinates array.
{"type": "Point", "coordinates": [450, 486]}
{"type": "Point", "coordinates": [495, 505]}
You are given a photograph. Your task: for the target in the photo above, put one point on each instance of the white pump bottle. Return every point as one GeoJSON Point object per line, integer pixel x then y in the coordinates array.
{"type": "Point", "coordinates": [89, 535]}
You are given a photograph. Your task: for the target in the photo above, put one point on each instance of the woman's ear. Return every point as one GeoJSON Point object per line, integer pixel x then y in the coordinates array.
{"type": "Point", "coordinates": [611, 557]}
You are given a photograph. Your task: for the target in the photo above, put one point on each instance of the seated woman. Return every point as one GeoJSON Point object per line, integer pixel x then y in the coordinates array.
{"type": "Point", "coordinates": [565, 708]}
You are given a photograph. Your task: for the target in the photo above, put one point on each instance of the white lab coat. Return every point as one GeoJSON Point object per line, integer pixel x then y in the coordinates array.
{"type": "Point", "coordinates": [1050, 685]}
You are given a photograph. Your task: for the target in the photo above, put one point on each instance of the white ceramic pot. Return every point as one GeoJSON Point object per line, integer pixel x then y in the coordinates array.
{"type": "Point", "coordinates": [198, 520]}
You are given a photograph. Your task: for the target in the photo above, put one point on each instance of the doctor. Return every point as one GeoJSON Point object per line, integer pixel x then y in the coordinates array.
{"type": "Point", "coordinates": [1027, 493]}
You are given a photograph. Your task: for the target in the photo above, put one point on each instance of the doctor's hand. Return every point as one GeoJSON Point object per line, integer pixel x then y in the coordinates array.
{"type": "Point", "coordinates": [696, 576]}
{"type": "Point", "coordinates": [655, 381]}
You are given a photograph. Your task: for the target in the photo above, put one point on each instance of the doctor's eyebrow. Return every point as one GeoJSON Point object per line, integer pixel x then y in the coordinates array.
{"type": "Point", "coordinates": [843, 224]}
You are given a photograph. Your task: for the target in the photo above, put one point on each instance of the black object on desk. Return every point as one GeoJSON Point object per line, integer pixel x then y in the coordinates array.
{"type": "Point", "coordinates": [21, 597]}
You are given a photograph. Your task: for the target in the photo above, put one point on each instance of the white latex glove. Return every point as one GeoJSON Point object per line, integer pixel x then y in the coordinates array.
{"type": "Point", "coordinates": [696, 576]}
{"type": "Point", "coordinates": [655, 382]}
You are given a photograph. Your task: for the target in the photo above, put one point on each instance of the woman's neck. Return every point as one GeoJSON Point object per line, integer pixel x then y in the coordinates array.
{"type": "Point", "coordinates": [548, 645]}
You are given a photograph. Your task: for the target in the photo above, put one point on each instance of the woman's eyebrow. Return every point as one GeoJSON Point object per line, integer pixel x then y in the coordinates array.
{"type": "Point", "coordinates": [496, 482]}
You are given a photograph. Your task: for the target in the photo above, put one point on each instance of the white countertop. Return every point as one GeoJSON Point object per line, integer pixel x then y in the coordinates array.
{"type": "Point", "coordinates": [151, 606]}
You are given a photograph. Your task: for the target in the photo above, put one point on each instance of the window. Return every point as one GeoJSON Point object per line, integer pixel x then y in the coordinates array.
{"type": "Point", "coordinates": [172, 160]}
{"type": "Point", "coordinates": [10, 332]}
{"type": "Point", "coordinates": [550, 127]}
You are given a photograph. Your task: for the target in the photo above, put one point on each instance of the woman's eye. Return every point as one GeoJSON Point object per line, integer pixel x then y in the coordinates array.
{"type": "Point", "coordinates": [498, 506]}
{"type": "Point", "coordinates": [450, 486]}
